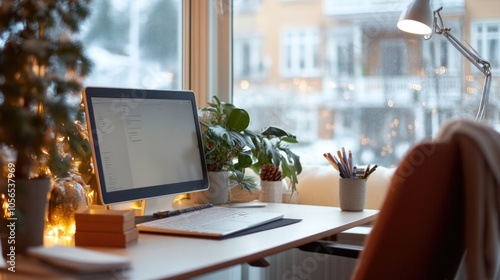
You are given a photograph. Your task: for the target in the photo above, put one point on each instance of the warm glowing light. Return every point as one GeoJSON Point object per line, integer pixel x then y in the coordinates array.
{"type": "Point", "coordinates": [390, 103]}
{"type": "Point", "coordinates": [90, 196]}
{"type": "Point", "coordinates": [471, 90]}
{"type": "Point", "coordinates": [414, 86]}
{"type": "Point", "coordinates": [364, 140]}
{"type": "Point", "coordinates": [325, 114]}
{"type": "Point", "coordinates": [303, 86]}
{"type": "Point", "coordinates": [410, 127]}
{"type": "Point", "coordinates": [330, 126]}
{"type": "Point", "coordinates": [61, 229]}
{"type": "Point", "coordinates": [332, 84]}
{"type": "Point", "coordinates": [5, 207]}
{"type": "Point", "coordinates": [244, 84]}
{"type": "Point", "coordinates": [52, 239]}
{"type": "Point", "coordinates": [441, 70]}
{"type": "Point", "coordinates": [351, 86]}
{"type": "Point", "coordinates": [469, 78]}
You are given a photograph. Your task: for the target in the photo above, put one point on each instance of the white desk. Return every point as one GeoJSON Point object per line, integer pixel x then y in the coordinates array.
{"type": "Point", "coordinates": [172, 257]}
{"type": "Point", "coordinates": [162, 256]}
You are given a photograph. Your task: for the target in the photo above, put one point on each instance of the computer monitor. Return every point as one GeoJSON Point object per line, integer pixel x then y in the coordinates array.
{"type": "Point", "coordinates": [145, 143]}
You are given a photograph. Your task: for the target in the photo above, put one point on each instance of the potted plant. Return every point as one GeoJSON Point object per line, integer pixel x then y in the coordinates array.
{"type": "Point", "coordinates": [40, 67]}
{"type": "Point", "coordinates": [274, 159]}
{"type": "Point", "coordinates": [228, 149]}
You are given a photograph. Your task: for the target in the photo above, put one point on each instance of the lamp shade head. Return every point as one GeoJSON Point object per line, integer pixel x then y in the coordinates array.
{"type": "Point", "coordinates": [417, 18]}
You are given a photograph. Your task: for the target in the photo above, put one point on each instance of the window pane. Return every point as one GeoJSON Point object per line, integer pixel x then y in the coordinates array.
{"type": "Point", "coordinates": [135, 43]}
{"type": "Point", "coordinates": [340, 74]}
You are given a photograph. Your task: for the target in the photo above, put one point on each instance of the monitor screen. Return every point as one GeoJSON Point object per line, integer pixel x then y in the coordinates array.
{"type": "Point", "coordinates": [145, 143]}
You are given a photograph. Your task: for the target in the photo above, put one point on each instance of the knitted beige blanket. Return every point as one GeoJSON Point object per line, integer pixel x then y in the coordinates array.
{"type": "Point", "coordinates": [480, 153]}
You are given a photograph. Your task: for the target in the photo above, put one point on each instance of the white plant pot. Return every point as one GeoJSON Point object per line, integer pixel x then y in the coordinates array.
{"type": "Point", "coordinates": [271, 191]}
{"type": "Point", "coordinates": [218, 190]}
{"type": "Point", "coordinates": [291, 197]}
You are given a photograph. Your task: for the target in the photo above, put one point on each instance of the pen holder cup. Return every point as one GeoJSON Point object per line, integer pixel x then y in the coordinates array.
{"type": "Point", "coordinates": [352, 194]}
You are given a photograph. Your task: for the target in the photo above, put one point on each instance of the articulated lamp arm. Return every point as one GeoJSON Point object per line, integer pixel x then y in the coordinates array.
{"type": "Point", "coordinates": [480, 63]}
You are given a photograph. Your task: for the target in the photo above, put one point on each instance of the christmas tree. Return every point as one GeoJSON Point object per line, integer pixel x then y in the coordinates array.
{"type": "Point", "coordinates": [41, 65]}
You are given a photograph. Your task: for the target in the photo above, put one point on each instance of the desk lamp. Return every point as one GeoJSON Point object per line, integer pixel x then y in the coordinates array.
{"type": "Point", "coordinates": [418, 19]}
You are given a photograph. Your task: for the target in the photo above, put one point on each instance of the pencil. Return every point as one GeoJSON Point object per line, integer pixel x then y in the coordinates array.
{"type": "Point", "coordinates": [341, 159]}
{"type": "Point", "coordinates": [351, 167]}
{"type": "Point", "coordinates": [366, 171]}
{"type": "Point", "coordinates": [343, 172]}
{"type": "Point", "coordinates": [329, 158]}
{"type": "Point", "coordinates": [371, 170]}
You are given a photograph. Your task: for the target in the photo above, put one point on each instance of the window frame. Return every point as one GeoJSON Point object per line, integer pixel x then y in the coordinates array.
{"type": "Point", "coordinates": [294, 42]}
{"type": "Point", "coordinates": [480, 41]}
{"type": "Point", "coordinates": [208, 49]}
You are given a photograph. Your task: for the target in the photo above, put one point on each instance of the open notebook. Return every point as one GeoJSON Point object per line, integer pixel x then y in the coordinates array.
{"type": "Point", "coordinates": [214, 221]}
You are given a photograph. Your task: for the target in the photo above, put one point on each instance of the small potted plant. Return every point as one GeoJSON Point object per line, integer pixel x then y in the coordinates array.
{"type": "Point", "coordinates": [41, 66]}
{"type": "Point", "coordinates": [274, 159]}
{"type": "Point", "coordinates": [227, 145]}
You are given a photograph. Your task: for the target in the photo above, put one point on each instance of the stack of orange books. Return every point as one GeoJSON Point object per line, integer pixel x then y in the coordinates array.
{"type": "Point", "coordinates": [105, 228]}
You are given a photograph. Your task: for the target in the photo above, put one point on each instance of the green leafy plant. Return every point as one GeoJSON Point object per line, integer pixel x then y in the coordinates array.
{"type": "Point", "coordinates": [227, 142]}
{"type": "Point", "coordinates": [40, 68]}
{"type": "Point", "coordinates": [272, 146]}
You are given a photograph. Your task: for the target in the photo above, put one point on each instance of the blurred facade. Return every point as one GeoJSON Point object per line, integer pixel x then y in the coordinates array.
{"type": "Point", "coordinates": [340, 73]}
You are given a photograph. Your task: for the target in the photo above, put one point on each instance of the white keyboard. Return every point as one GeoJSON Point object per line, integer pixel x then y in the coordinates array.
{"type": "Point", "coordinates": [214, 221]}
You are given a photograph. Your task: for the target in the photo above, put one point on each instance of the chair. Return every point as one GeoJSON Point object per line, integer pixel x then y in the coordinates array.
{"type": "Point", "coordinates": [444, 198]}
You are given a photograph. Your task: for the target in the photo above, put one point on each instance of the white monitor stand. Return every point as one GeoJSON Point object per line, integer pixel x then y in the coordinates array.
{"type": "Point", "coordinates": [146, 206]}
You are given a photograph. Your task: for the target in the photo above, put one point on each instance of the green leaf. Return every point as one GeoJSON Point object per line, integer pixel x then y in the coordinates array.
{"type": "Point", "coordinates": [289, 139]}
{"type": "Point", "coordinates": [296, 161]}
{"type": "Point", "coordinates": [276, 132]}
{"type": "Point", "coordinates": [238, 120]}
{"type": "Point", "coordinates": [244, 161]}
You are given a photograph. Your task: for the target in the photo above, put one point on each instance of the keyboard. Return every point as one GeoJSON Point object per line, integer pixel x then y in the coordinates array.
{"type": "Point", "coordinates": [216, 221]}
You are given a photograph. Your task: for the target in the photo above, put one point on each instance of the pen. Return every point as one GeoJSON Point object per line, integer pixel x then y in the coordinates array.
{"type": "Point", "coordinates": [341, 159]}
{"type": "Point", "coordinates": [366, 171]}
{"type": "Point", "coordinates": [165, 214]}
{"type": "Point", "coordinates": [343, 172]}
{"type": "Point", "coordinates": [351, 168]}
{"type": "Point", "coordinates": [344, 157]}
{"type": "Point", "coordinates": [371, 170]}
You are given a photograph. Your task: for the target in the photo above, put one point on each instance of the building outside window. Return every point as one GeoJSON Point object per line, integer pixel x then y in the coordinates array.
{"type": "Point", "coordinates": [248, 59]}
{"type": "Point", "coordinates": [345, 70]}
{"type": "Point", "coordinates": [335, 73]}
{"type": "Point", "coordinates": [300, 52]}
{"type": "Point", "coordinates": [486, 36]}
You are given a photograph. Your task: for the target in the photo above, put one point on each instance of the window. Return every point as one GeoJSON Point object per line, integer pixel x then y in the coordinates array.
{"type": "Point", "coordinates": [392, 58]}
{"type": "Point", "coordinates": [341, 53]}
{"type": "Point", "coordinates": [486, 36]}
{"type": "Point", "coordinates": [246, 6]}
{"type": "Point", "coordinates": [300, 50]}
{"type": "Point", "coordinates": [347, 77]}
{"type": "Point", "coordinates": [248, 60]}
{"type": "Point", "coordinates": [135, 44]}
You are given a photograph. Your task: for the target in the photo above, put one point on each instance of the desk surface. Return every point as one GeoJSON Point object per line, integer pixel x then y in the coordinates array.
{"type": "Point", "coordinates": [162, 256]}
{"type": "Point", "coordinates": [172, 257]}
